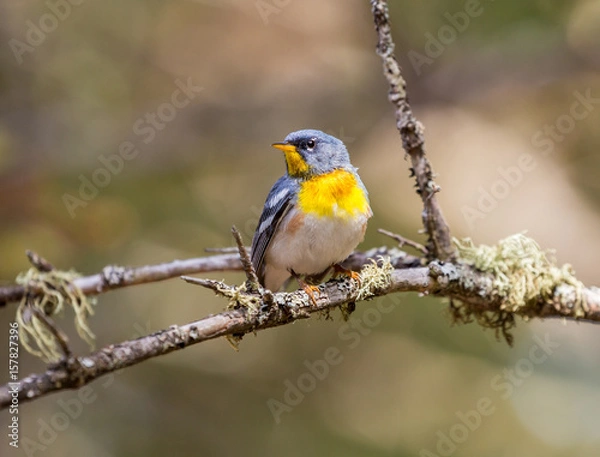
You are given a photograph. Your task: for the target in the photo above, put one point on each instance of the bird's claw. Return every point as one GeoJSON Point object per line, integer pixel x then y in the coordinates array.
{"type": "Point", "coordinates": [339, 271]}
{"type": "Point", "coordinates": [311, 291]}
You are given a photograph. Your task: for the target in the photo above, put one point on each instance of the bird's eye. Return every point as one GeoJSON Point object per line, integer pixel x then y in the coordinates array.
{"type": "Point", "coordinates": [310, 143]}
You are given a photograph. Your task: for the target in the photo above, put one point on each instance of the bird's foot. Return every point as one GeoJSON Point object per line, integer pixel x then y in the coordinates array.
{"type": "Point", "coordinates": [311, 290]}
{"type": "Point", "coordinates": [339, 271]}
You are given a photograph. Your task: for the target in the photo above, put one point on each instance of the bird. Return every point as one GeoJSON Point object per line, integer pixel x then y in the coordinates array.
{"type": "Point", "coordinates": [314, 216]}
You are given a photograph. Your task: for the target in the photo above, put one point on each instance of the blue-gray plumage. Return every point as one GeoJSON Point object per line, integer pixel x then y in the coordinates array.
{"type": "Point", "coordinates": [278, 203]}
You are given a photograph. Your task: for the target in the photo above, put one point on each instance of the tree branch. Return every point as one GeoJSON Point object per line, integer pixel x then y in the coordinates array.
{"type": "Point", "coordinates": [115, 277]}
{"type": "Point", "coordinates": [411, 131]}
{"type": "Point", "coordinates": [455, 281]}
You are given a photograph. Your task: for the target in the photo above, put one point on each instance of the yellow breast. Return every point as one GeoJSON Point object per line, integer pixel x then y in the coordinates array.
{"type": "Point", "coordinates": [333, 194]}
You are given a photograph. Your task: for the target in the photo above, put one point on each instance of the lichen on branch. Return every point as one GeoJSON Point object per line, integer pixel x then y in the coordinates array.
{"type": "Point", "coordinates": [524, 278]}
{"type": "Point", "coordinates": [54, 292]}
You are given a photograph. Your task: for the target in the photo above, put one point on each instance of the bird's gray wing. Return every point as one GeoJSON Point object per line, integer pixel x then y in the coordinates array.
{"type": "Point", "coordinates": [280, 200]}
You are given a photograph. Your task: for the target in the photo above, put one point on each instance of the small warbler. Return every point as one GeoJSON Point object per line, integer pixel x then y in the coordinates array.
{"type": "Point", "coordinates": [314, 216]}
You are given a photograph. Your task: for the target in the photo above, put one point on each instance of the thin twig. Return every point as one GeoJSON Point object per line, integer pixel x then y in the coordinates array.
{"type": "Point", "coordinates": [39, 262]}
{"type": "Point", "coordinates": [227, 250]}
{"type": "Point", "coordinates": [59, 335]}
{"type": "Point", "coordinates": [404, 241]}
{"type": "Point", "coordinates": [251, 276]}
{"type": "Point", "coordinates": [411, 131]}
{"type": "Point", "coordinates": [212, 284]}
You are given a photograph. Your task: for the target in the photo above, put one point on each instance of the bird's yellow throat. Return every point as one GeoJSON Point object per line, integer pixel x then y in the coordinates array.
{"type": "Point", "coordinates": [332, 194]}
{"type": "Point", "coordinates": [296, 164]}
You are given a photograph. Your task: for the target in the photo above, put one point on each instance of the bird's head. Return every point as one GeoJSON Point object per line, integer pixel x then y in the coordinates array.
{"type": "Point", "coordinates": [312, 152]}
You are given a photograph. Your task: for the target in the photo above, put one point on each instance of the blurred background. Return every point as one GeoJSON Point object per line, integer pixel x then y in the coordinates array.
{"type": "Point", "coordinates": [138, 132]}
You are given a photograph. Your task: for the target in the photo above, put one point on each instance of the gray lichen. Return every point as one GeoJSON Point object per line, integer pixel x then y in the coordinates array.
{"type": "Point", "coordinates": [374, 277]}
{"type": "Point", "coordinates": [240, 298]}
{"type": "Point", "coordinates": [523, 276]}
{"type": "Point", "coordinates": [52, 292]}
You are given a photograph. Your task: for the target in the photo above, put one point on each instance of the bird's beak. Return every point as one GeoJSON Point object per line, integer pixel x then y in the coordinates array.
{"type": "Point", "coordinates": [285, 147]}
{"type": "Point", "coordinates": [296, 164]}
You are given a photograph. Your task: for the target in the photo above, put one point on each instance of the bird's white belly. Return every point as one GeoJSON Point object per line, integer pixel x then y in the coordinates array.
{"type": "Point", "coordinates": [316, 244]}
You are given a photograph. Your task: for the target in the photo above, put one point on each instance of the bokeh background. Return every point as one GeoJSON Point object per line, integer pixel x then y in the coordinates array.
{"type": "Point", "coordinates": [490, 95]}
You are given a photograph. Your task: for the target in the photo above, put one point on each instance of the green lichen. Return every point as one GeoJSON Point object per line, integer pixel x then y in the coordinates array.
{"type": "Point", "coordinates": [234, 341]}
{"type": "Point", "coordinates": [240, 298]}
{"type": "Point", "coordinates": [52, 292]}
{"type": "Point", "coordinates": [375, 276]}
{"type": "Point", "coordinates": [524, 277]}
